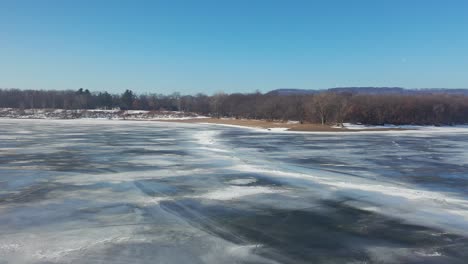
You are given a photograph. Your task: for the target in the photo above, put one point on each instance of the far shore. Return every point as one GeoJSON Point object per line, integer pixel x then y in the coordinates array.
{"type": "Point", "coordinates": [288, 126]}
{"type": "Point", "coordinates": [184, 117]}
{"type": "Point", "coordinates": [265, 125]}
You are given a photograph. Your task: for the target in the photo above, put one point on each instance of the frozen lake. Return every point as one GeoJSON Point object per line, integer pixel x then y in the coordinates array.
{"type": "Point", "coordinates": [149, 192]}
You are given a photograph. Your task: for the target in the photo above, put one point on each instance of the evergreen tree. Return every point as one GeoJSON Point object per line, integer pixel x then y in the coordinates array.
{"type": "Point", "coordinates": [127, 100]}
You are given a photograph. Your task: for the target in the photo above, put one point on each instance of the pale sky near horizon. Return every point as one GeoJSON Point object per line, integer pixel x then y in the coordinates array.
{"type": "Point", "coordinates": [232, 46]}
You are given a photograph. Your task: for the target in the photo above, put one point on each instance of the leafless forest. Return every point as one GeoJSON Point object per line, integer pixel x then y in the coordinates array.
{"type": "Point", "coordinates": [325, 107]}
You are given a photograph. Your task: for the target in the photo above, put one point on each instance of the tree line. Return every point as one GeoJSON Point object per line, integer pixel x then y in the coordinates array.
{"type": "Point", "coordinates": [324, 107]}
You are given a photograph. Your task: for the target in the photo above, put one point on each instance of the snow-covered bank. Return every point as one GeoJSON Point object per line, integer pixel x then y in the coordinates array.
{"type": "Point", "coordinates": [95, 114]}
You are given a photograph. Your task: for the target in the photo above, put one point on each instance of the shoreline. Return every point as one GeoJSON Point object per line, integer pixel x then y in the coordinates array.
{"type": "Point", "coordinates": [275, 126]}
{"type": "Point", "coordinates": [265, 126]}
{"type": "Point", "coordinates": [193, 118]}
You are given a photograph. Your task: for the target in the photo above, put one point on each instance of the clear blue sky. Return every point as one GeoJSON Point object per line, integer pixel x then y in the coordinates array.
{"type": "Point", "coordinates": [232, 45]}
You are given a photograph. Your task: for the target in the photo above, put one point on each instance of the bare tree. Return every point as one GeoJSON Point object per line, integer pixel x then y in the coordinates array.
{"type": "Point", "coordinates": [323, 106]}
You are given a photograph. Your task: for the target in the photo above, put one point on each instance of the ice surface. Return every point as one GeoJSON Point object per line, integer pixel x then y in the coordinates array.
{"type": "Point", "coordinates": [116, 191]}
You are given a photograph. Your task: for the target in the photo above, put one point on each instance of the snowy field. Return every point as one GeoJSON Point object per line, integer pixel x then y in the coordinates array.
{"type": "Point", "coordinates": [108, 191]}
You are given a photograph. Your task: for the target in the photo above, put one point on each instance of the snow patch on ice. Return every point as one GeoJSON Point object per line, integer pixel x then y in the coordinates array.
{"type": "Point", "coordinates": [242, 181]}
{"type": "Point", "coordinates": [206, 137]}
{"type": "Point", "coordinates": [429, 254]}
{"type": "Point", "coordinates": [11, 247]}
{"type": "Point", "coordinates": [236, 192]}
{"type": "Point", "coordinates": [277, 129]}
{"type": "Point", "coordinates": [232, 126]}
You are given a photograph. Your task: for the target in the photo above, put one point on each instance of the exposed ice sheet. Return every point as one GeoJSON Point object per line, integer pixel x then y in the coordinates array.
{"type": "Point", "coordinates": [407, 202]}
{"type": "Point", "coordinates": [110, 191]}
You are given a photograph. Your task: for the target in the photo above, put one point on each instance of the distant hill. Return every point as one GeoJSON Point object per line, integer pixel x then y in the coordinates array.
{"type": "Point", "coordinates": [293, 91]}
{"type": "Point", "coordinates": [371, 90]}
